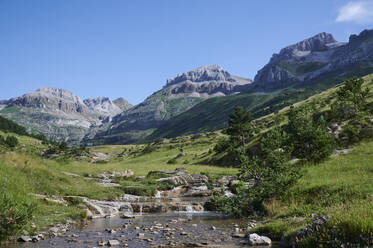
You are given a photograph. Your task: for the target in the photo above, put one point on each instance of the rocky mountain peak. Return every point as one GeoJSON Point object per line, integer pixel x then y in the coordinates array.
{"type": "Point", "coordinates": [102, 105]}
{"type": "Point", "coordinates": [365, 34]}
{"type": "Point", "coordinates": [122, 103]}
{"type": "Point", "coordinates": [318, 42]}
{"type": "Point", "coordinates": [202, 74]}
{"type": "Point", "coordinates": [56, 93]}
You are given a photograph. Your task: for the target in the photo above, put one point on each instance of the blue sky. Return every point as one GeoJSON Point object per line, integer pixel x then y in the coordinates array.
{"type": "Point", "coordinates": [123, 48]}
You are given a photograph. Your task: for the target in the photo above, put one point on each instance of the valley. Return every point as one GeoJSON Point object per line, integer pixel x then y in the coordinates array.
{"type": "Point", "coordinates": [209, 160]}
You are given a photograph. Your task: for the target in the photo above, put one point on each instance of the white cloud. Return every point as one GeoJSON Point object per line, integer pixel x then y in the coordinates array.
{"type": "Point", "coordinates": [359, 12]}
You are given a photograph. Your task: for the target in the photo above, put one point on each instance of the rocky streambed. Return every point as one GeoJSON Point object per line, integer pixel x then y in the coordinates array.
{"type": "Point", "coordinates": [179, 217]}
{"type": "Point", "coordinates": [203, 229]}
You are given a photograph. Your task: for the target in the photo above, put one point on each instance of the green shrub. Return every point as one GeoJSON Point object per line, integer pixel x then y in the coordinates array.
{"type": "Point", "coordinates": [148, 149]}
{"type": "Point", "coordinates": [16, 207]}
{"type": "Point", "coordinates": [172, 161]}
{"type": "Point", "coordinates": [351, 100]}
{"type": "Point", "coordinates": [74, 201]}
{"type": "Point", "coordinates": [275, 230]}
{"type": "Point", "coordinates": [308, 137]}
{"type": "Point", "coordinates": [10, 126]}
{"type": "Point", "coordinates": [11, 141]}
{"type": "Point", "coordinates": [222, 145]}
{"type": "Point", "coordinates": [140, 190]}
{"type": "Point", "coordinates": [349, 135]}
{"type": "Point", "coordinates": [269, 176]}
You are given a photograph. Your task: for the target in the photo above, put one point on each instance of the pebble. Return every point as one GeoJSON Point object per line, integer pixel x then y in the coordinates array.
{"type": "Point", "coordinates": [24, 239]}
{"type": "Point", "coordinates": [113, 242]}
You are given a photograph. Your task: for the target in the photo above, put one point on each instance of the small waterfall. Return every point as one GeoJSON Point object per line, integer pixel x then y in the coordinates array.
{"type": "Point", "coordinates": [189, 209]}
{"type": "Point", "coordinates": [140, 213]}
{"type": "Point", "coordinates": [158, 194]}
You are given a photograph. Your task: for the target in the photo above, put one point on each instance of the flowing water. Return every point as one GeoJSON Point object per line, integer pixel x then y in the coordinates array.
{"type": "Point", "coordinates": [186, 227]}
{"type": "Point", "coordinates": [159, 230]}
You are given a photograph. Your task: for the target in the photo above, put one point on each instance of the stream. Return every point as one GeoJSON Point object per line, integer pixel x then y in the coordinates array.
{"type": "Point", "coordinates": [151, 230]}
{"type": "Point", "coordinates": [185, 227]}
{"type": "Point", "coordinates": [173, 218]}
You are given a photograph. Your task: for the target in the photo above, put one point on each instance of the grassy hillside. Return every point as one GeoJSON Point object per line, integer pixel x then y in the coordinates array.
{"type": "Point", "coordinates": [340, 187]}
{"type": "Point", "coordinates": [213, 114]}
{"type": "Point", "coordinates": [24, 172]}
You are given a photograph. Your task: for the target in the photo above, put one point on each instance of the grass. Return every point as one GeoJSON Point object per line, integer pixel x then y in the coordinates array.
{"type": "Point", "coordinates": [28, 173]}
{"type": "Point", "coordinates": [142, 164]}
{"type": "Point", "coordinates": [341, 187]}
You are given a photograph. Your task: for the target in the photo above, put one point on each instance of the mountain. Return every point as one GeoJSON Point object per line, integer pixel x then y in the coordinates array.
{"type": "Point", "coordinates": [178, 95]}
{"type": "Point", "coordinates": [296, 73]}
{"type": "Point", "coordinates": [58, 113]}
{"type": "Point", "coordinates": [122, 103]}
{"type": "Point", "coordinates": [315, 59]}
{"type": "Point", "coordinates": [199, 100]}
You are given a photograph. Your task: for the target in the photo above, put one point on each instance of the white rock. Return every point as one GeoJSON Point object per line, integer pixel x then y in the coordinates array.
{"type": "Point", "coordinates": [113, 242]}
{"type": "Point", "coordinates": [256, 240]}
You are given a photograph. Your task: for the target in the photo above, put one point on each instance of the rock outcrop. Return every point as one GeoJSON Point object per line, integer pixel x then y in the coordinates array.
{"type": "Point", "coordinates": [205, 81]}
{"type": "Point", "coordinates": [315, 59]}
{"type": "Point", "coordinates": [59, 114]}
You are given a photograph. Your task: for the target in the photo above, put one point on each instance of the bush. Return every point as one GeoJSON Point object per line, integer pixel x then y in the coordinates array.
{"type": "Point", "coordinates": [307, 136]}
{"type": "Point", "coordinates": [222, 145]}
{"type": "Point", "coordinates": [140, 190]}
{"type": "Point", "coordinates": [63, 146]}
{"type": "Point", "coordinates": [10, 126]}
{"type": "Point", "coordinates": [172, 161]}
{"type": "Point", "coordinates": [268, 176]}
{"type": "Point", "coordinates": [275, 230]}
{"type": "Point", "coordinates": [148, 149]}
{"type": "Point", "coordinates": [16, 210]}
{"type": "Point", "coordinates": [351, 99]}
{"type": "Point", "coordinates": [11, 141]}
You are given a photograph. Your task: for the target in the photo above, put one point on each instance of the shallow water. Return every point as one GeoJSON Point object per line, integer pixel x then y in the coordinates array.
{"type": "Point", "coordinates": [185, 228]}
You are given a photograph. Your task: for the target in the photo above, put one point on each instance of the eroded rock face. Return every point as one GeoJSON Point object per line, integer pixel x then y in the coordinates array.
{"type": "Point", "coordinates": [205, 81]}
{"type": "Point", "coordinates": [315, 57]}
{"type": "Point", "coordinates": [102, 105]}
{"type": "Point", "coordinates": [185, 180]}
{"type": "Point", "coordinates": [59, 114]}
{"type": "Point", "coordinates": [287, 67]}
{"type": "Point", "coordinates": [202, 74]}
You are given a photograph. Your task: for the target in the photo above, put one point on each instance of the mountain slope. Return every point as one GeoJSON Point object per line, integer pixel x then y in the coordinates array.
{"type": "Point", "coordinates": [296, 73]}
{"type": "Point", "coordinates": [178, 95]}
{"type": "Point", "coordinates": [58, 114]}
{"type": "Point", "coordinates": [314, 59]}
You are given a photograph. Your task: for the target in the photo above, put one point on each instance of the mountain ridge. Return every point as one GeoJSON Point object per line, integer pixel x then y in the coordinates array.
{"type": "Point", "coordinates": [296, 72]}
{"type": "Point", "coordinates": [59, 114]}
{"type": "Point", "coordinates": [178, 95]}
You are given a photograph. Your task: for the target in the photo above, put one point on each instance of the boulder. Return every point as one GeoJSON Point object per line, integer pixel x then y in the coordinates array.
{"type": "Point", "coordinates": [185, 179]}
{"type": "Point", "coordinates": [312, 227]}
{"type": "Point", "coordinates": [24, 239]}
{"type": "Point", "coordinates": [197, 191]}
{"type": "Point", "coordinates": [127, 216]}
{"type": "Point", "coordinates": [113, 242]}
{"type": "Point", "coordinates": [225, 180]}
{"type": "Point", "coordinates": [257, 240]}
